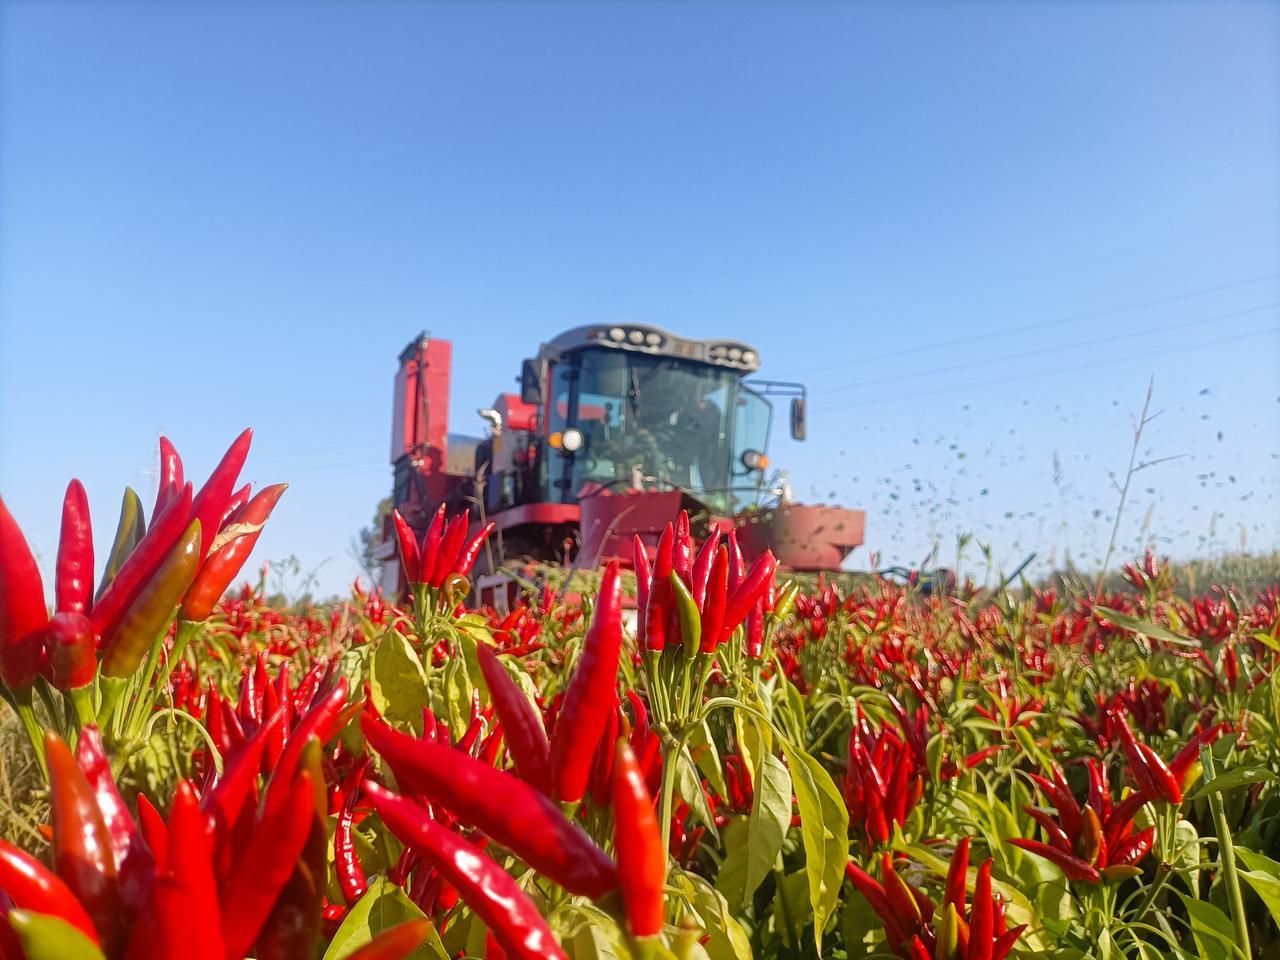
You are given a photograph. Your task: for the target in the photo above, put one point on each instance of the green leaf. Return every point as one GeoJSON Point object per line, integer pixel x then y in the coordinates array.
{"type": "Point", "coordinates": [598, 936]}
{"type": "Point", "coordinates": [824, 828]}
{"type": "Point", "coordinates": [46, 937]}
{"type": "Point", "coordinates": [1264, 876]}
{"type": "Point", "coordinates": [1233, 779]}
{"type": "Point", "coordinates": [1212, 930]}
{"type": "Point", "coordinates": [703, 747]}
{"type": "Point", "coordinates": [731, 878]}
{"type": "Point", "coordinates": [727, 940]}
{"type": "Point", "coordinates": [384, 905]}
{"type": "Point", "coordinates": [791, 911]}
{"type": "Point", "coordinates": [1147, 628]}
{"type": "Point", "coordinates": [690, 789]}
{"type": "Point", "coordinates": [397, 681]}
{"type": "Point", "coordinates": [859, 927]}
{"type": "Point", "coordinates": [795, 706]}
{"type": "Point", "coordinates": [769, 821]}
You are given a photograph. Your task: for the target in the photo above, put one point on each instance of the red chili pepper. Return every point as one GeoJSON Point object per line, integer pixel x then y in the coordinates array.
{"type": "Point", "coordinates": [714, 602]}
{"type": "Point", "coordinates": [682, 549]}
{"type": "Point", "coordinates": [294, 927]}
{"type": "Point", "coordinates": [210, 504]}
{"type": "Point", "coordinates": [135, 864]}
{"type": "Point", "coordinates": [395, 943]}
{"type": "Point", "coordinates": [659, 599]}
{"type": "Point", "coordinates": [170, 485]}
{"type": "Point", "coordinates": [600, 784]}
{"type": "Point", "coordinates": [73, 584]}
{"type": "Point", "coordinates": [737, 566]}
{"type": "Point", "coordinates": [1166, 783]}
{"type": "Point", "coordinates": [265, 866]}
{"type": "Point", "coordinates": [1071, 865]}
{"type": "Point", "coordinates": [451, 544]}
{"type": "Point", "coordinates": [318, 722]}
{"type": "Point", "coordinates": [510, 811]}
{"type": "Point", "coordinates": [521, 722]}
{"type": "Point", "coordinates": [81, 845]}
{"type": "Point", "coordinates": [154, 832]}
{"type": "Point", "coordinates": [1134, 849]}
{"type": "Point", "coordinates": [431, 544]}
{"type": "Point", "coordinates": [702, 567]}
{"type": "Point", "coordinates": [127, 643]}
{"type": "Point", "coordinates": [29, 885]}
{"type": "Point", "coordinates": [485, 887]}
{"type": "Point", "coordinates": [956, 876]}
{"type": "Point", "coordinates": [875, 895]}
{"type": "Point", "coordinates": [467, 558]}
{"type": "Point", "coordinates": [591, 692]}
{"type": "Point", "coordinates": [22, 611]}
{"type": "Point", "coordinates": [753, 642]}
{"type": "Point", "coordinates": [410, 561]}
{"type": "Point", "coordinates": [744, 596]}
{"type": "Point", "coordinates": [982, 918]}
{"type": "Point", "coordinates": [141, 565]}
{"type": "Point", "coordinates": [72, 647]}
{"type": "Point", "coordinates": [1184, 762]}
{"type": "Point", "coordinates": [644, 577]}
{"type": "Point", "coordinates": [637, 838]}
{"type": "Point", "coordinates": [225, 801]}
{"type": "Point", "coordinates": [235, 504]}
{"type": "Point", "coordinates": [186, 898]}
{"type": "Point", "coordinates": [896, 891]}
{"type": "Point", "coordinates": [226, 560]}
{"type": "Point", "coordinates": [346, 862]}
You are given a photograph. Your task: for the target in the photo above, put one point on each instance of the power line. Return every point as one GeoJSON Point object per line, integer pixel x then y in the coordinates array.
{"type": "Point", "coordinates": [1039, 374]}
{"type": "Point", "coordinates": [1045, 351]}
{"type": "Point", "coordinates": [1038, 325]}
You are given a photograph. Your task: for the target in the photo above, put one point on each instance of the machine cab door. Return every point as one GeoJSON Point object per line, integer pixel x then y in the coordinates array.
{"type": "Point", "coordinates": [752, 418]}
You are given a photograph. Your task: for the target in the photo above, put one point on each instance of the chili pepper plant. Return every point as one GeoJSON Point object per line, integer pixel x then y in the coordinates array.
{"type": "Point", "coordinates": [756, 768]}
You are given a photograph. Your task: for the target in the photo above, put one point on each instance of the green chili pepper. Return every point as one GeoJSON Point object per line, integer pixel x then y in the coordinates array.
{"type": "Point", "coordinates": [147, 616]}
{"type": "Point", "coordinates": [45, 937]}
{"type": "Point", "coordinates": [782, 609]}
{"type": "Point", "coordinates": [690, 619]}
{"type": "Point", "coordinates": [131, 528]}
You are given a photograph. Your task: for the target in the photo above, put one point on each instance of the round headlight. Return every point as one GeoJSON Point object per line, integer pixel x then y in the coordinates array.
{"type": "Point", "coordinates": [617, 334]}
{"type": "Point", "coordinates": [571, 440]}
{"type": "Point", "coordinates": [652, 339]}
{"type": "Point", "coordinates": [636, 337]}
{"type": "Point", "coordinates": [748, 356]}
{"type": "Point", "coordinates": [735, 353]}
{"type": "Point", "coordinates": [754, 460]}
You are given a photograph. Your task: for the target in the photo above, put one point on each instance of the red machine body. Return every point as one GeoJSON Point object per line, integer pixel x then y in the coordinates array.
{"type": "Point", "coordinates": [616, 429]}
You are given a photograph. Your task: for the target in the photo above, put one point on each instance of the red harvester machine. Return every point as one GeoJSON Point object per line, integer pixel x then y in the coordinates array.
{"type": "Point", "coordinates": [616, 429]}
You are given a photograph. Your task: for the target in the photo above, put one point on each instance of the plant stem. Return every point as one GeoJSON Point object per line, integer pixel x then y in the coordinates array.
{"type": "Point", "coordinates": [1227, 855]}
{"type": "Point", "coordinates": [36, 735]}
{"type": "Point", "coordinates": [670, 756]}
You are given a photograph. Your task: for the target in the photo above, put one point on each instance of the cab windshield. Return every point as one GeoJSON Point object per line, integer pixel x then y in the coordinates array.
{"type": "Point", "coordinates": [657, 421]}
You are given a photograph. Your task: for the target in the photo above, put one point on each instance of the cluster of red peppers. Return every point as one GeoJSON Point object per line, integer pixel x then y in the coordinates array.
{"type": "Point", "coordinates": [444, 556]}
{"type": "Point", "coordinates": [178, 564]}
{"type": "Point", "coordinates": [238, 868]}
{"type": "Point", "coordinates": [696, 601]}
{"type": "Point", "coordinates": [1096, 842]}
{"type": "Point", "coordinates": [450, 805]}
{"type": "Point", "coordinates": [961, 927]}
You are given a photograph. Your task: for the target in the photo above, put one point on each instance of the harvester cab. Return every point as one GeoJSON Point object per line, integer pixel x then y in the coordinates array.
{"type": "Point", "coordinates": [615, 429]}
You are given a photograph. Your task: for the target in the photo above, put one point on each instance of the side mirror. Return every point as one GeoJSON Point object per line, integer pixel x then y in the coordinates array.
{"type": "Point", "coordinates": [797, 418]}
{"type": "Point", "coordinates": [532, 373]}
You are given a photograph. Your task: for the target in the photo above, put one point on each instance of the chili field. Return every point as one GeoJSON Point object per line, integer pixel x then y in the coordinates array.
{"type": "Point", "coordinates": [754, 769]}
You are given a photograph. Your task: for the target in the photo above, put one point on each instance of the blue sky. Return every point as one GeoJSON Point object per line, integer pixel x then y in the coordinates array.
{"type": "Point", "coordinates": [974, 230]}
